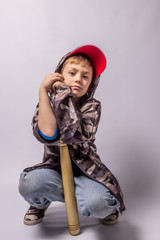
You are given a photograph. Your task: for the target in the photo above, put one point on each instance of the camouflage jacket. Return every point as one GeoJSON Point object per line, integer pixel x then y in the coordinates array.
{"type": "Point", "coordinates": [77, 123]}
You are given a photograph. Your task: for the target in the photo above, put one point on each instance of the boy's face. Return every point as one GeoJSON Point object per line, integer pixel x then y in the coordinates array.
{"type": "Point", "coordinates": [78, 77]}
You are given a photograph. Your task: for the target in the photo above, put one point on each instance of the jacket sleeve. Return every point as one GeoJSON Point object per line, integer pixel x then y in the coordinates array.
{"type": "Point", "coordinates": [75, 125]}
{"type": "Point", "coordinates": [36, 130]}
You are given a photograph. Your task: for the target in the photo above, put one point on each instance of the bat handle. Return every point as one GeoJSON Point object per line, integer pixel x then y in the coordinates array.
{"type": "Point", "coordinates": [69, 190]}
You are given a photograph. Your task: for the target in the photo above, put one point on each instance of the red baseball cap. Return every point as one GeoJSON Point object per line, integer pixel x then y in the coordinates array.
{"type": "Point", "coordinates": [96, 56]}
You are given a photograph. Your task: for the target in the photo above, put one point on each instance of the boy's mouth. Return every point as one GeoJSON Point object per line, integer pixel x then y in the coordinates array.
{"type": "Point", "coordinates": [76, 87]}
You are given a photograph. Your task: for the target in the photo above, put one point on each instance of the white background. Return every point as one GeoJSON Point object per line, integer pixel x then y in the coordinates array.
{"type": "Point", "coordinates": [34, 36]}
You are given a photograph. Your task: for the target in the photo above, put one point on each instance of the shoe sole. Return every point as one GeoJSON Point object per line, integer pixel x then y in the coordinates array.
{"type": "Point", "coordinates": [31, 223]}
{"type": "Point", "coordinates": [34, 222]}
{"type": "Point", "coordinates": [109, 223]}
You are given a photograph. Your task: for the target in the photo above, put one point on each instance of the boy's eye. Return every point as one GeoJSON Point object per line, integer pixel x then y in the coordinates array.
{"type": "Point", "coordinates": [85, 76]}
{"type": "Point", "coordinates": [72, 73]}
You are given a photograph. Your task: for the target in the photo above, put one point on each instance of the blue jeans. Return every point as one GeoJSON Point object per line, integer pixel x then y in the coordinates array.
{"type": "Point", "coordinates": [42, 186]}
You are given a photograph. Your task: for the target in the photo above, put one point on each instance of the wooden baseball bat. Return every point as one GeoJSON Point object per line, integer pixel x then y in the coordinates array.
{"type": "Point", "coordinates": [69, 190]}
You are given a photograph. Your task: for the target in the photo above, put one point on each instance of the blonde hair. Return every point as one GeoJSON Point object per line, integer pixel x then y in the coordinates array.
{"type": "Point", "coordinates": [77, 59]}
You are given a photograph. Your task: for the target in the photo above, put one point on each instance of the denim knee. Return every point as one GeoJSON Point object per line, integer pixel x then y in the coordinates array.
{"type": "Point", "coordinates": [94, 199]}
{"type": "Point", "coordinates": [28, 185]}
{"type": "Point", "coordinates": [41, 186]}
{"type": "Point", "coordinates": [99, 206]}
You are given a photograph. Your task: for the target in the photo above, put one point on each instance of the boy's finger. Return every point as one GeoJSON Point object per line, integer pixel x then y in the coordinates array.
{"type": "Point", "coordinates": [56, 74]}
{"type": "Point", "coordinates": [58, 79]}
{"type": "Point", "coordinates": [59, 76]}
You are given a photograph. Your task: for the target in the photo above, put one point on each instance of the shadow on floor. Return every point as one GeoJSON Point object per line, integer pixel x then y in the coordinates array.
{"type": "Point", "coordinates": [123, 230]}
{"type": "Point", "coordinates": [55, 225]}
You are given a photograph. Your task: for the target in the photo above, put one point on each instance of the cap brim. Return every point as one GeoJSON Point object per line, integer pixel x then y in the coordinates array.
{"type": "Point", "coordinates": [96, 56]}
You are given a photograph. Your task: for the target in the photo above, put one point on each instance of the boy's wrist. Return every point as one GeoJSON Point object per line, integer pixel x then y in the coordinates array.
{"type": "Point", "coordinates": [43, 90]}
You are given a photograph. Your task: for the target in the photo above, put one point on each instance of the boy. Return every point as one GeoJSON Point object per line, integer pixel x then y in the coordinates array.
{"type": "Point", "coordinates": [73, 114]}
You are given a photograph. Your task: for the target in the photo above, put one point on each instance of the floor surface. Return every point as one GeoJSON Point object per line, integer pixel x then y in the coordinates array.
{"type": "Point", "coordinates": [132, 225]}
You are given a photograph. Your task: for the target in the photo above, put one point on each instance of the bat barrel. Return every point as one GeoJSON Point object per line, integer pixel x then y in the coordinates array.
{"type": "Point", "coordinates": [69, 190]}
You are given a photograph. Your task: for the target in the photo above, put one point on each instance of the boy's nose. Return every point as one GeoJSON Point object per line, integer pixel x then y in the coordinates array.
{"type": "Point", "coordinates": [78, 78]}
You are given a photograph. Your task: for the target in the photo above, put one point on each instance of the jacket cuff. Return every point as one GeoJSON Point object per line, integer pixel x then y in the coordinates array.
{"type": "Point", "coordinates": [64, 88]}
{"type": "Point", "coordinates": [50, 138]}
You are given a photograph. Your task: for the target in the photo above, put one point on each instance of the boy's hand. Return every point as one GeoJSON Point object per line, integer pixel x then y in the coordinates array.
{"type": "Point", "coordinates": [57, 84]}
{"type": "Point", "coordinates": [50, 80]}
